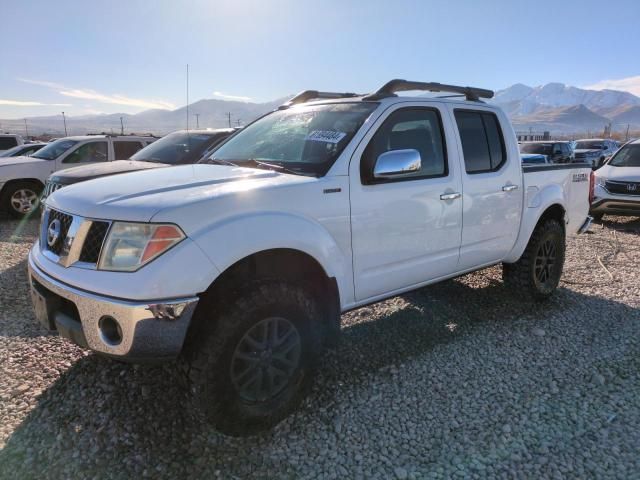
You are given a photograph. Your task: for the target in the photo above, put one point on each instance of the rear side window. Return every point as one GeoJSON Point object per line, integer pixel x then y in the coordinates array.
{"type": "Point", "coordinates": [124, 150]}
{"type": "Point", "coordinates": [409, 128]}
{"type": "Point", "coordinates": [7, 142]}
{"type": "Point", "coordinates": [482, 141]}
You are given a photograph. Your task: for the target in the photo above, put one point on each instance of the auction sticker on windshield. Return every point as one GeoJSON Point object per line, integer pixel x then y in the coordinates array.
{"type": "Point", "coordinates": [326, 136]}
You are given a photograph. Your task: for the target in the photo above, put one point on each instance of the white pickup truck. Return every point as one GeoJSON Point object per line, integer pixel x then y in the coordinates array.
{"type": "Point", "coordinates": [242, 267]}
{"type": "Point", "coordinates": [22, 178]}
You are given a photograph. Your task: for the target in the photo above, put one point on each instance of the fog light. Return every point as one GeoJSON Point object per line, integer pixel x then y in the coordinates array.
{"type": "Point", "coordinates": [110, 330]}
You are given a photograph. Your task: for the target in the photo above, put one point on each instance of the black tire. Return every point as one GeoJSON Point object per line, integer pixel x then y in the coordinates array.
{"type": "Point", "coordinates": [537, 273]}
{"type": "Point", "coordinates": [15, 197]}
{"type": "Point", "coordinates": [597, 217]}
{"type": "Point", "coordinates": [214, 356]}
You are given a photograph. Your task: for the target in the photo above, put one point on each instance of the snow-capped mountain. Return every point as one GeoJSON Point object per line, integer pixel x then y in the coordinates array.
{"type": "Point", "coordinates": [556, 106]}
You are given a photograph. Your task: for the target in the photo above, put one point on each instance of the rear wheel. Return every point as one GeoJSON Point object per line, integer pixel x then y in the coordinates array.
{"type": "Point", "coordinates": [250, 363]}
{"type": "Point", "coordinates": [21, 199]}
{"type": "Point", "coordinates": [537, 273]}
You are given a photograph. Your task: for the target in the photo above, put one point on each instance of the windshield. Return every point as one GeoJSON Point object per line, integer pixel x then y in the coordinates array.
{"type": "Point", "coordinates": [628, 156]}
{"type": "Point", "coordinates": [305, 139]}
{"type": "Point", "coordinates": [178, 147]}
{"type": "Point", "coordinates": [589, 146]}
{"type": "Point", "coordinates": [541, 148]}
{"type": "Point", "coordinates": [54, 149]}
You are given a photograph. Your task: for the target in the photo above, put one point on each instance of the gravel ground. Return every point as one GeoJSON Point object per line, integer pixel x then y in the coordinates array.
{"type": "Point", "coordinates": [461, 379]}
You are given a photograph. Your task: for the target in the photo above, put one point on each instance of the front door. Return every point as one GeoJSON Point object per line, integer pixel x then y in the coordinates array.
{"type": "Point", "coordinates": [405, 231]}
{"type": "Point", "coordinates": [88, 152]}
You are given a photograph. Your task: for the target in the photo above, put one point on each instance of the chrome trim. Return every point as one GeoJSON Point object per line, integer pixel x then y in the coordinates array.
{"type": "Point", "coordinates": [150, 329]}
{"type": "Point", "coordinates": [73, 242]}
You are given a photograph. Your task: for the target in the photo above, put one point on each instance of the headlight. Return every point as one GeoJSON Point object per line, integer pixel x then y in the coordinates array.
{"type": "Point", "coordinates": [129, 246]}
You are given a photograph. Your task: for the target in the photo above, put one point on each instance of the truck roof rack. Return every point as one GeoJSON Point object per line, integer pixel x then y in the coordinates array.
{"type": "Point", "coordinates": [307, 95]}
{"type": "Point", "coordinates": [390, 88]}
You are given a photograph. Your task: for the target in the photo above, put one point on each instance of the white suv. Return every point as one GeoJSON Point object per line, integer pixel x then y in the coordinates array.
{"type": "Point", "coordinates": [22, 178]}
{"type": "Point", "coordinates": [617, 184]}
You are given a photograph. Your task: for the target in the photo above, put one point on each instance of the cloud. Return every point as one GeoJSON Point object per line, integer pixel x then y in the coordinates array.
{"type": "Point", "coordinates": [88, 94]}
{"type": "Point", "coordinates": [629, 84]}
{"type": "Point", "coordinates": [231, 97]}
{"type": "Point", "coordinates": [18, 103]}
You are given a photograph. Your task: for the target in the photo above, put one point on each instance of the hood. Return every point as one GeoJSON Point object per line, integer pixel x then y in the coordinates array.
{"type": "Point", "coordinates": [138, 196]}
{"type": "Point", "coordinates": [96, 170]}
{"type": "Point", "coordinates": [20, 160]}
{"type": "Point", "coordinates": [619, 174]}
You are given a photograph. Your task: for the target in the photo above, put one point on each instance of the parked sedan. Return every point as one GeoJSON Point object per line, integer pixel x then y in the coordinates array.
{"type": "Point", "coordinates": [25, 150]}
{"type": "Point", "coordinates": [177, 148]}
{"type": "Point", "coordinates": [617, 184]}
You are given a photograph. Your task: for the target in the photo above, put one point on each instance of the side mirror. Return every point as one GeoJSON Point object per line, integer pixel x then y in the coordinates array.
{"type": "Point", "coordinates": [397, 164]}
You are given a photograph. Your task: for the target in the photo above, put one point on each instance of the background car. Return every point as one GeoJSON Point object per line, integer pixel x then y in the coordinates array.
{"type": "Point", "coordinates": [594, 151]}
{"type": "Point", "coordinates": [556, 152]}
{"type": "Point", "coordinates": [617, 184]}
{"type": "Point", "coordinates": [177, 148]}
{"type": "Point", "coordinates": [9, 140]}
{"type": "Point", "coordinates": [534, 159]}
{"type": "Point", "coordinates": [25, 150]}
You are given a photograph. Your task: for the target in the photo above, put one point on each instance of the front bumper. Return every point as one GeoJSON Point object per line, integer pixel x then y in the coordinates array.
{"type": "Point", "coordinates": [624, 206]}
{"type": "Point", "coordinates": [131, 330]}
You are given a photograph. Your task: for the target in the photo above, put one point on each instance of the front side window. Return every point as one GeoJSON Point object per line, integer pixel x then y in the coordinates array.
{"type": "Point", "coordinates": [88, 153]}
{"type": "Point", "coordinates": [304, 140]}
{"type": "Point", "coordinates": [589, 145]}
{"type": "Point", "coordinates": [482, 141]}
{"type": "Point", "coordinates": [628, 156]}
{"type": "Point", "coordinates": [124, 150]}
{"type": "Point", "coordinates": [54, 149]}
{"type": "Point", "coordinates": [409, 128]}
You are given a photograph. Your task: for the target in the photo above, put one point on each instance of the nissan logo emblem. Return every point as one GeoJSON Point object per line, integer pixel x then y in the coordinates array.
{"type": "Point", "coordinates": [53, 232]}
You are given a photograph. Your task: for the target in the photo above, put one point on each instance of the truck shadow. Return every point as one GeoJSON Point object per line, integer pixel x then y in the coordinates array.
{"type": "Point", "coordinates": [99, 412]}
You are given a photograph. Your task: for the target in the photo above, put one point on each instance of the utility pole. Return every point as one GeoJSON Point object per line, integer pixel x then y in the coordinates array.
{"type": "Point", "coordinates": [197, 115]}
{"type": "Point", "coordinates": [26, 129]}
{"type": "Point", "coordinates": [65, 125]}
{"type": "Point", "coordinates": [626, 137]}
{"type": "Point", "coordinates": [229, 118]}
{"type": "Point", "coordinates": [238, 122]}
{"type": "Point", "coordinates": [121, 127]}
{"type": "Point", "coordinates": [187, 99]}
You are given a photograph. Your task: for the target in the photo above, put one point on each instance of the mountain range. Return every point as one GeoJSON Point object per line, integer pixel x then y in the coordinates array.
{"type": "Point", "coordinates": [561, 108]}
{"type": "Point", "coordinates": [558, 108]}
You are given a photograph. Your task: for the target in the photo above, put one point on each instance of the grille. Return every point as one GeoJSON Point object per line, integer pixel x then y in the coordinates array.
{"type": "Point", "coordinates": [623, 188]}
{"type": "Point", "coordinates": [49, 188]}
{"type": "Point", "coordinates": [93, 243]}
{"type": "Point", "coordinates": [65, 223]}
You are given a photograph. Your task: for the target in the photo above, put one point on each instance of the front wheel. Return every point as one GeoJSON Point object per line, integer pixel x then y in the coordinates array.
{"type": "Point", "coordinates": [537, 273]}
{"type": "Point", "coordinates": [21, 199]}
{"type": "Point", "coordinates": [253, 360]}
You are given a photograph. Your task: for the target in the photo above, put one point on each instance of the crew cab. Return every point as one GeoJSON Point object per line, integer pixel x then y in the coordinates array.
{"type": "Point", "coordinates": [22, 178]}
{"type": "Point", "coordinates": [177, 148]}
{"type": "Point", "coordinates": [241, 267]}
{"type": "Point", "coordinates": [617, 184]}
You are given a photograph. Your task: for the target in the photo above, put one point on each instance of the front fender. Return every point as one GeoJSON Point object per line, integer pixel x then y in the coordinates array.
{"type": "Point", "coordinates": [238, 237]}
{"type": "Point", "coordinates": [537, 201]}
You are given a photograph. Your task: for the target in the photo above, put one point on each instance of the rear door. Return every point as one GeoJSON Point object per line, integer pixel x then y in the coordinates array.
{"type": "Point", "coordinates": [403, 231]}
{"type": "Point", "coordinates": [492, 186]}
{"type": "Point", "coordinates": [124, 149]}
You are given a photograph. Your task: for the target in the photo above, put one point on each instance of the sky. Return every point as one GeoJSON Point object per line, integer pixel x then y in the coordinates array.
{"type": "Point", "coordinates": [88, 57]}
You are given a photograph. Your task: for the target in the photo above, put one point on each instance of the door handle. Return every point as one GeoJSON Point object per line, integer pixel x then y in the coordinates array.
{"type": "Point", "coordinates": [450, 196]}
{"type": "Point", "coordinates": [509, 188]}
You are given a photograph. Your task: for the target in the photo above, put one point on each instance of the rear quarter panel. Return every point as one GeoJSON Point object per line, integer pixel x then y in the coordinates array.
{"type": "Point", "coordinates": [545, 186]}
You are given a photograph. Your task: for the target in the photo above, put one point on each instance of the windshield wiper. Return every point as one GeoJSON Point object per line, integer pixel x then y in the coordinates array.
{"type": "Point", "coordinates": [219, 161]}
{"type": "Point", "coordinates": [277, 166]}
